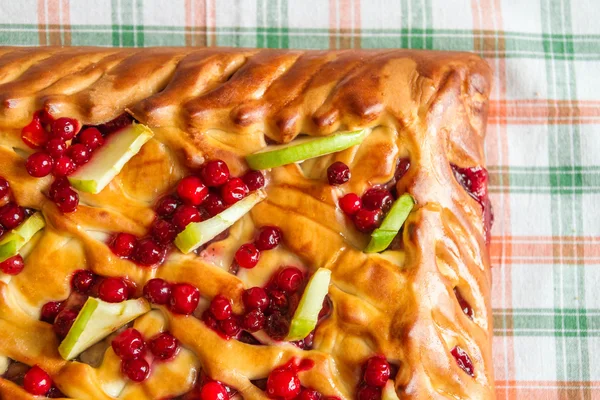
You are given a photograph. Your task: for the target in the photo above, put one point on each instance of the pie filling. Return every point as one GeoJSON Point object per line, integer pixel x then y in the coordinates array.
{"type": "Point", "coordinates": [200, 200]}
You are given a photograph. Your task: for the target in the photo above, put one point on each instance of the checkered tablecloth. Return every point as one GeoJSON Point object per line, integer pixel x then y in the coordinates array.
{"type": "Point", "coordinates": [543, 144]}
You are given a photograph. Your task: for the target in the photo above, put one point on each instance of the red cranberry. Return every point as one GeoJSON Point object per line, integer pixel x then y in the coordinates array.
{"type": "Point", "coordinates": [309, 394]}
{"type": "Point", "coordinates": [184, 298]}
{"type": "Point", "coordinates": [129, 344]}
{"type": "Point", "coordinates": [210, 321]}
{"type": "Point", "coordinates": [402, 168]}
{"type": "Point", "coordinates": [474, 180]}
{"type": "Point", "coordinates": [464, 304]}
{"type": "Point", "coordinates": [268, 238]}
{"type": "Point", "coordinates": [148, 252]}
{"type": "Point", "coordinates": [50, 310]}
{"type": "Point", "coordinates": [37, 381]}
{"type": "Point", "coordinates": [124, 244]}
{"type": "Point", "coordinates": [39, 165]}
{"type": "Point", "coordinates": [65, 128]}
{"type": "Point", "coordinates": [185, 215]}
{"type": "Point", "coordinates": [63, 322]}
{"type": "Point", "coordinates": [463, 360]}
{"type": "Point", "coordinates": [220, 307]}
{"type": "Point", "coordinates": [82, 281]}
{"type": "Point", "coordinates": [167, 206]}
{"type": "Point", "coordinates": [163, 231]}
{"type": "Point", "coordinates": [92, 138]}
{"type": "Point", "coordinates": [230, 326]}
{"type": "Point", "coordinates": [34, 135]}
{"type": "Point", "coordinates": [66, 200]}
{"type": "Point", "coordinates": [213, 390]}
{"type": "Point", "coordinates": [367, 220]}
{"type": "Point", "coordinates": [11, 215]}
{"type": "Point", "coordinates": [278, 301]}
{"type": "Point", "coordinates": [137, 369]}
{"type": "Point", "coordinates": [289, 279]}
{"type": "Point", "coordinates": [215, 173]}
{"type": "Point", "coordinates": [13, 265]}
{"type": "Point", "coordinates": [369, 393]}
{"type": "Point", "coordinates": [56, 147]}
{"type": "Point", "coordinates": [191, 190]}
{"type": "Point", "coordinates": [377, 371]}
{"type": "Point", "coordinates": [377, 199]}
{"type": "Point", "coordinates": [79, 153]}
{"type": "Point", "coordinates": [113, 290]}
{"type": "Point", "coordinates": [254, 180]}
{"type": "Point", "coordinates": [253, 321]}
{"type": "Point", "coordinates": [350, 204]}
{"type": "Point", "coordinates": [338, 173]}
{"type": "Point", "coordinates": [157, 291]}
{"type": "Point", "coordinates": [283, 383]}
{"type": "Point", "coordinates": [4, 187]}
{"type": "Point", "coordinates": [214, 204]}
{"type": "Point", "coordinates": [247, 255]}
{"type": "Point", "coordinates": [234, 190]}
{"type": "Point", "coordinates": [255, 299]}
{"type": "Point", "coordinates": [63, 166]}
{"type": "Point", "coordinates": [57, 185]}
{"type": "Point", "coordinates": [164, 346]}
{"type": "Point", "coordinates": [277, 326]}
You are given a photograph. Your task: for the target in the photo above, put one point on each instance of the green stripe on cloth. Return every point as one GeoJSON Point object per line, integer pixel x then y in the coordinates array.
{"type": "Point", "coordinates": [556, 322]}
{"type": "Point", "coordinates": [564, 149]}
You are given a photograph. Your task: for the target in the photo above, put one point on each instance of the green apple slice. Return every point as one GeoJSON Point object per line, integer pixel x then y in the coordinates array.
{"type": "Point", "coordinates": [303, 149]}
{"type": "Point", "coordinates": [197, 233]}
{"type": "Point", "coordinates": [13, 241]}
{"type": "Point", "coordinates": [383, 236]}
{"type": "Point", "coordinates": [389, 391]}
{"type": "Point", "coordinates": [307, 314]}
{"type": "Point", "coordinates": [96, 320]}
{"type": "Point", "coordinates": [109, 159]}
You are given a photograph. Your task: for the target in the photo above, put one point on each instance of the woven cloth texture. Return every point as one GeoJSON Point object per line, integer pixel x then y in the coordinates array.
{"type": "Point", "coordinates": [543, 146]}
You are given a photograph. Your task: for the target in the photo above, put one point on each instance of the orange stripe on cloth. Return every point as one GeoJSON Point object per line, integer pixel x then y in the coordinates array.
{"type": "Point", "coordinates": [546, 250]}
{"type": "Point", "coordinates": [534, 111]}
{"type": "Point", "coordinates": [548, 390]}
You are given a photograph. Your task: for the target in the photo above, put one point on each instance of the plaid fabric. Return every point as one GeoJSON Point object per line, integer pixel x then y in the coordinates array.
{"type": "Point", "coordinates": [543, 144]}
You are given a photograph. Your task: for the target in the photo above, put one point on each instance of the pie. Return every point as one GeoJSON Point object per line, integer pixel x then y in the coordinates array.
{"type": "Point", "coordinates": [181, 223]}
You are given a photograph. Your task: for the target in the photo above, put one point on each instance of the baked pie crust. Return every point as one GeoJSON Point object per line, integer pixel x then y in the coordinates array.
{"type": "Point", "coordinates": [204, 104]}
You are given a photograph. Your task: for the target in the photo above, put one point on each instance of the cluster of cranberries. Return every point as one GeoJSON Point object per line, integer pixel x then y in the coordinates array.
{"type": "Point", "coordinates": [39, 383]}
{"type": "Point", "coordinates": [84, 283]}
{"type": "Point", "coordinates": [248, 254]}
{"type": "Point", "coordinates": [180, 298]}
{"type": "Point", "coordinates": [61, 153]}
{"type": "Point", "coordinates": [475, 182]}
{"type": "Point", "coordinates": [131, 347]}
{"type": "Point", "coordinates": [11, 216]}
{"type": "Point", "coordinates": [376, 373]}
{"type": "Point", "coordinates": [367, 212]}
{"type": "Point", "coordinates": [198, 197]}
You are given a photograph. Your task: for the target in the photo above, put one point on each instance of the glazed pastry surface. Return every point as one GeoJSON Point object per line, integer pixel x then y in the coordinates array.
{"type": "Point", "coordinates": [204, 104]}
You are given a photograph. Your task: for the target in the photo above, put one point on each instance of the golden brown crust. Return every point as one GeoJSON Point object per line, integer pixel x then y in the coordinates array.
{"type": "Point", "coordinates": [207, 103]}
